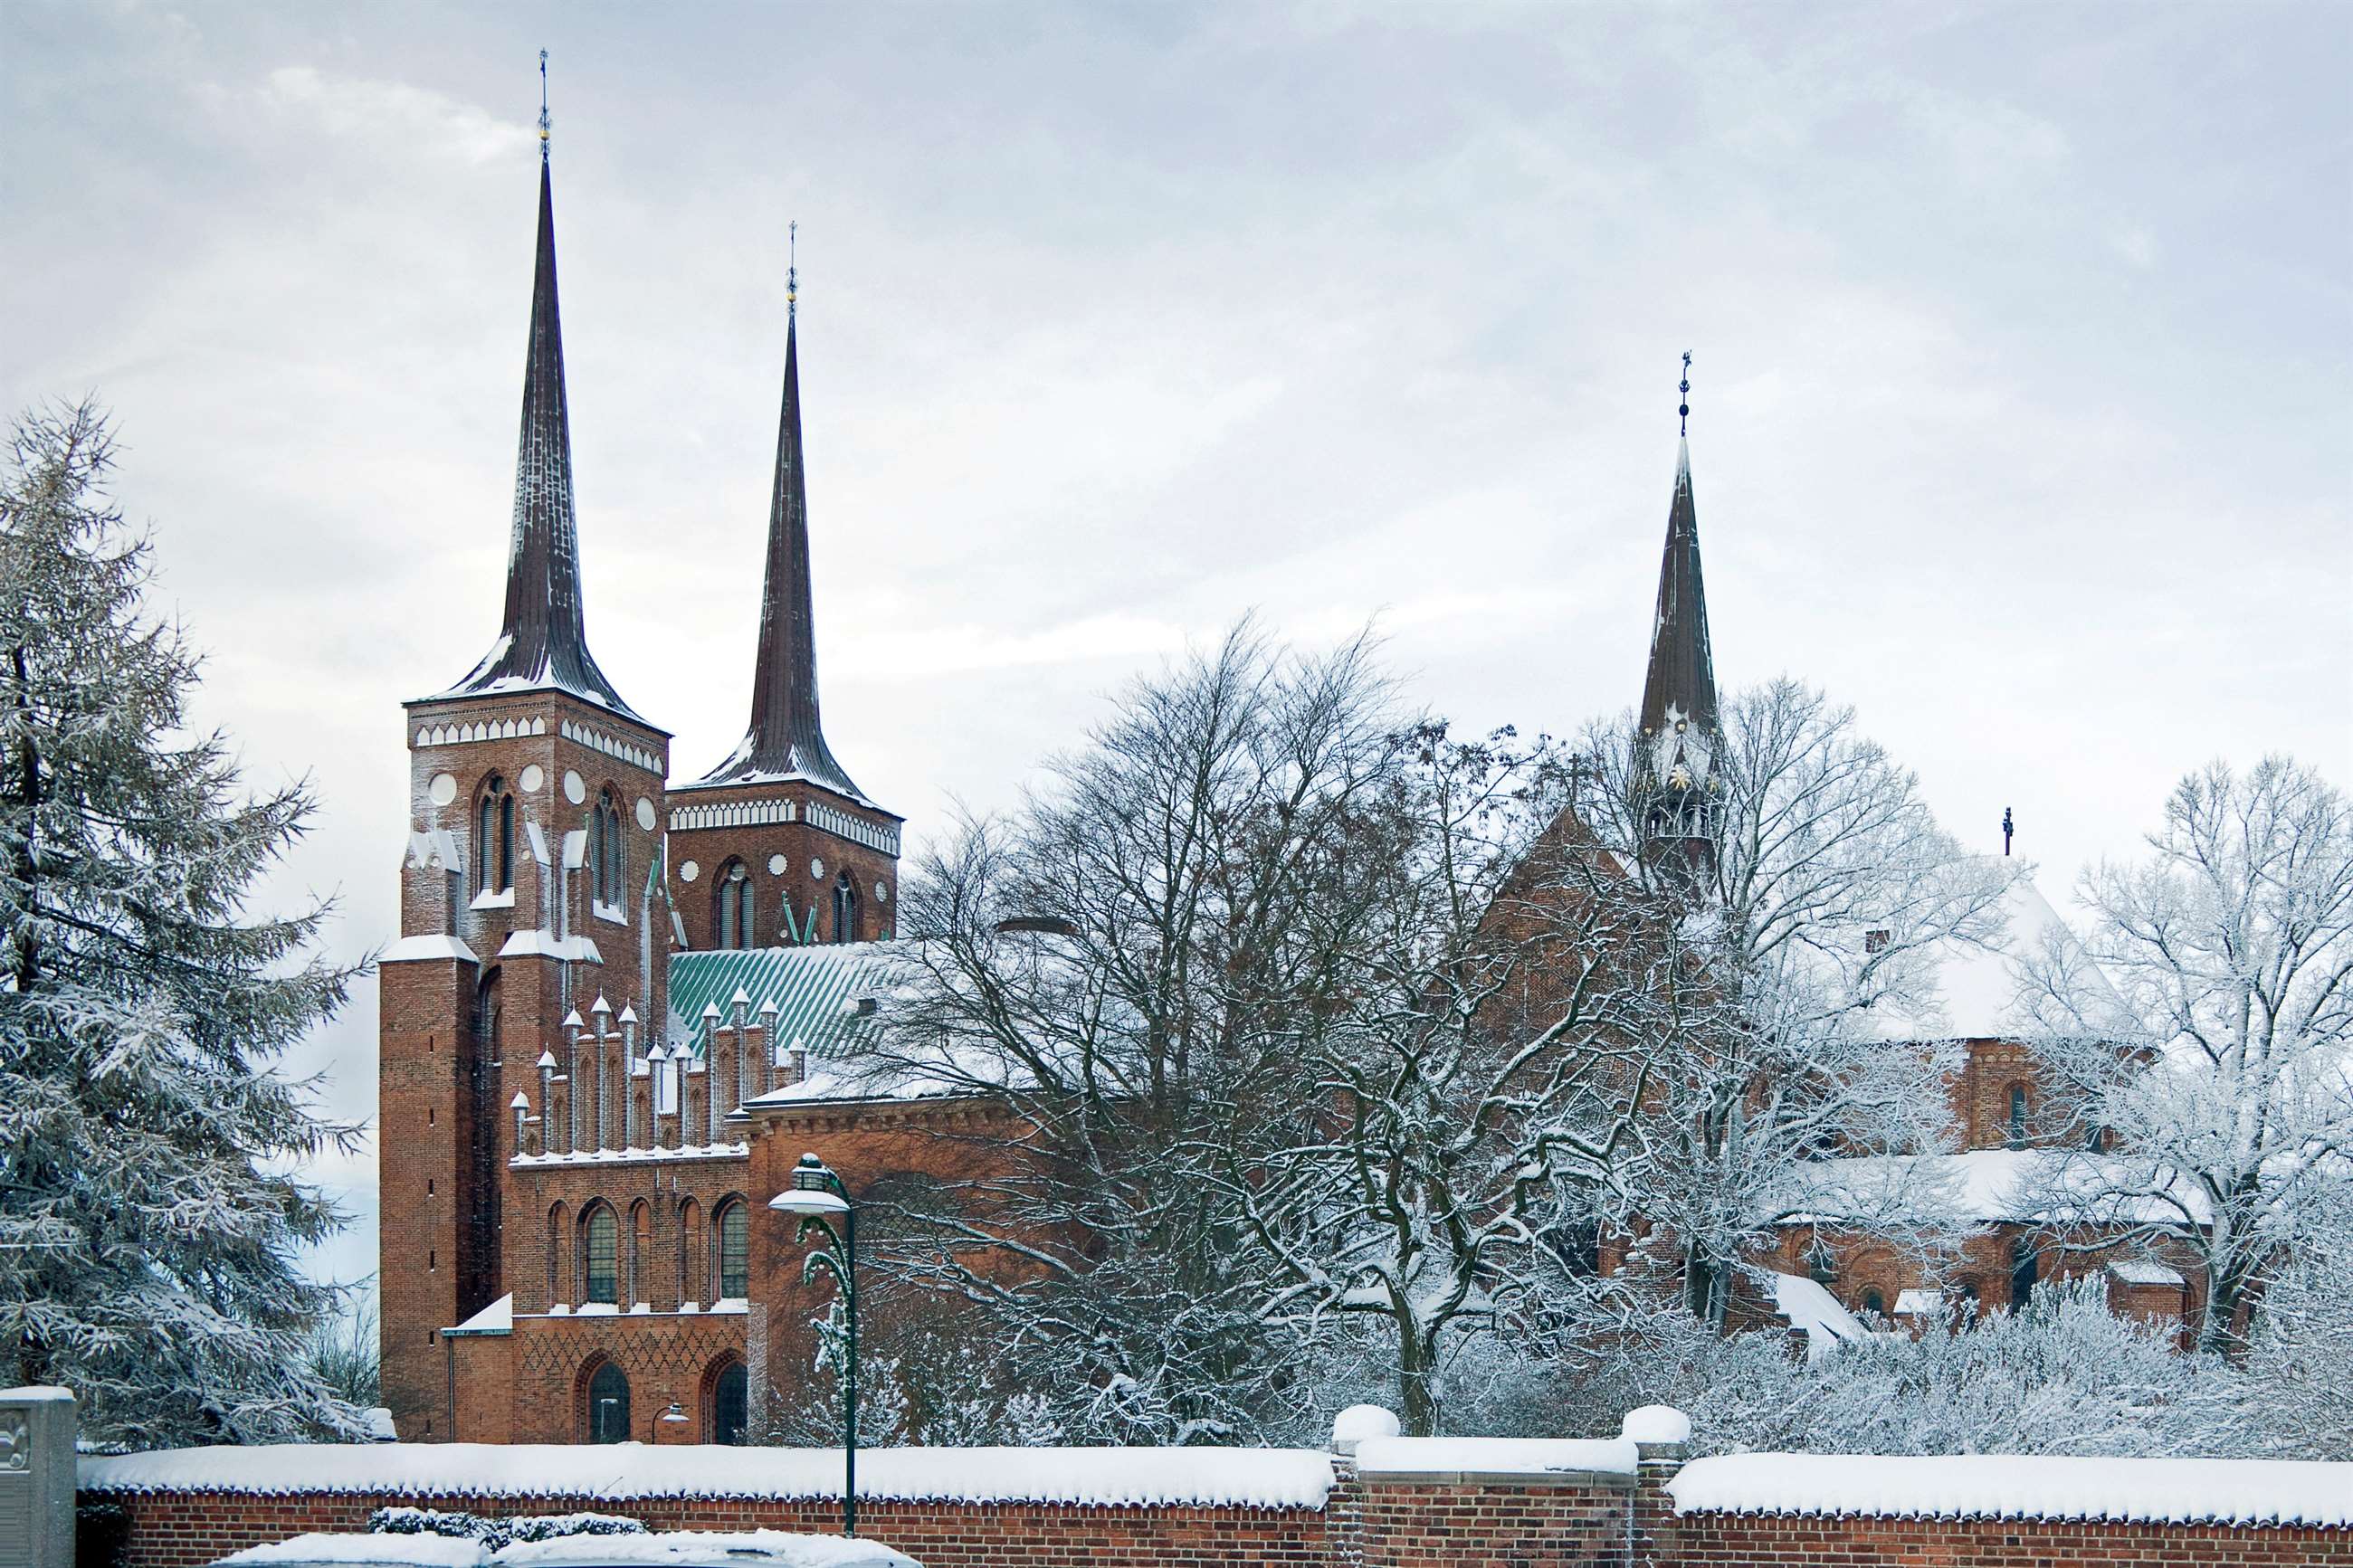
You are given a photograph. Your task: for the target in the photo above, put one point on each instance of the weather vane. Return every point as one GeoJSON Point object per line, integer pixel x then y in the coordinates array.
{"type": "Point", "coordinates": [543, 106]}
{"type": "Point", "coordinates": [792, 268]}
{"type": "Point", "coordinates": [1682, 410]}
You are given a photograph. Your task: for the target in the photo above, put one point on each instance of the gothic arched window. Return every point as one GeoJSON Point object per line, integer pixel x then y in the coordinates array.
{"type": "Point", "coordinates": [734, 1249]}
{"type": "Point", "coordinates": [845, 909]}
{"type": "Point", "coordinates": [734, 892]}
{"type": "Point", "coordinates": [2018, 1116]}
{"type": "Point", "coordinates": [494, 836]}
{"type": "Point", "coordinates": [1874, 1303]}
{"type": "Point", "coordinates": [600, 1274]}
{"type": "Point", "coordinates": [608, 1405]}
{"type": "Point", "coordinates": [605, 849]}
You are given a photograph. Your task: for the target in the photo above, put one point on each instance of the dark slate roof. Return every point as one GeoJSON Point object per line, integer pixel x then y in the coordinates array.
{"type": "Point", "coordinates": [544, 644]}
{"type": "Point", "coordinates": [1682, 669]}
{"type": "Point", "coordinates": [785, 740]}
{"type": "Point", "coordinates": [809, 986]}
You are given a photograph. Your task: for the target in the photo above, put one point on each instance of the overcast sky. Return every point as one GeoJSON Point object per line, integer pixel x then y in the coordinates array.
{"type": "Point", "coordinates": [2022, 410]}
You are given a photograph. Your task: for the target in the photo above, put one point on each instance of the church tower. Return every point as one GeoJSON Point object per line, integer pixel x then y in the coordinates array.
{"type": "Point", "coordinates": [776, 846]}
{"type": "Point", "coordinates": [530, 893]}
{"type": "Point", "coordinates": [1676, 781]}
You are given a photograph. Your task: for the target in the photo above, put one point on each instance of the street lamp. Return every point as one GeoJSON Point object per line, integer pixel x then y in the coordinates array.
{"type": "Point", "coordinates": [674, 1417]}
{"type": "Point", "coordinates": [818, 1195]}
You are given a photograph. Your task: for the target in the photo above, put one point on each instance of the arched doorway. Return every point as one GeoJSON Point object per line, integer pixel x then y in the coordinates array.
{"type": "Point", "coordinates": [730, 1403]}
{"type": "Point", "coordinates": [609, 1405]}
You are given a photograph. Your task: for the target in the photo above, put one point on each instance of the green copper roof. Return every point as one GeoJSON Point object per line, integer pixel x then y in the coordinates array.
{"type": "Point", "coordinates": [815, 990]}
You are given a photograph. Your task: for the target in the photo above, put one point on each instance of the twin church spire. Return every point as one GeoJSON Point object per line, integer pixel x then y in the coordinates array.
{"type": "Point", "coordinates": [543, 641]}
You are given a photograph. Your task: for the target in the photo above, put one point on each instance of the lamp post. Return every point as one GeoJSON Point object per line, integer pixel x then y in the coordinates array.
{"type": "Point", "coordinates": [674, 1417]}
{"type": "Point", "coordinates": [818, 1195]}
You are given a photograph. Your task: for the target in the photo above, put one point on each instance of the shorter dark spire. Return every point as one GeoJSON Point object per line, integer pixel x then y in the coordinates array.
{"type": "Point", "coordinates": [785, 740]}
{"type": "Point", "coordinates": [1681, 683]}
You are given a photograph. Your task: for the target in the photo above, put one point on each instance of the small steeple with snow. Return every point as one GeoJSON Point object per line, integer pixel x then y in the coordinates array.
{"type": "Point", "coordinates": [543, 643]}
{"type": "Point", "coordinates": [785, 740]}
{"type": "Point", "coordinates": [1678, 718]}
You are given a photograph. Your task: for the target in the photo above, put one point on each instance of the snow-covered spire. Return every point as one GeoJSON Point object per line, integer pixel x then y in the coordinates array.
{"type": "Point", "coordinates": [1681, 685]}
{"type": "Point", "coordinates": [785, 740]}
{"type": "Point", "coordinates": [543, 643]}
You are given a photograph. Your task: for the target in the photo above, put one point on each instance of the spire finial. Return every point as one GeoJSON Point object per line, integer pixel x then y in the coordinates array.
{"type": "Point", "coordinates": [1682, 409]}
{"type": "Point", "coordinates": [543, 106]}
{"type": "Point", "coordinates": [792, 268]}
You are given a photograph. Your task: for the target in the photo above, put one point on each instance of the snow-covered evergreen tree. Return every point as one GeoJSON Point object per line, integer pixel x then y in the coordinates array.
{"type": "Point", "coordinates": [148, 1229]}
{"type": "Point", "coordinates": [2209, 1077]}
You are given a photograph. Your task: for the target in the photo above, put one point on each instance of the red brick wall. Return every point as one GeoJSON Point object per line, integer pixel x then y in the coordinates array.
{"type": "Point", "coordinates": [1750, 1540]}
{"type": "Point", "coordinates": [1438, 1524]}
{"type": "Point", "coordinates": [1387, 1525]}
{"type": "Point", "coordinates": [183, 1530]}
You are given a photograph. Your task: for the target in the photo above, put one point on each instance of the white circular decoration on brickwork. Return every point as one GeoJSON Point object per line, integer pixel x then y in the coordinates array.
{"type": "Point", "coordinates": [574, 790]}
{"type": "Point", "coordinates": [687, 871]}
{"type": "Point", "coordinates": [817, 870]}
{"type": "Point", "coordinates": [530, 778]}
{"type": "Point", "coordinates": [776, 865]}
{"type": "Point", "coordinates": [442, 790]}
{"type": "Point", "coordinates": [882, 892]}
{"type": "Point", "coordinates": [645, 814]}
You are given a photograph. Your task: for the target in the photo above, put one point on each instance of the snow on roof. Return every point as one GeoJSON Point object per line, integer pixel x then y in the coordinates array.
{"type": "Point", "coordinates": [1810, 1307]}
{"type": "Point", "coordinates": [700, 1547]}
{"type": "Point", "coordinates": [498, 1318]}
{"type": "Point", "coordinates": [2145, 1271]}
{"type": "Point", "coordinates": [386, 1550]}
{"type": "Point", "coordinates": [414, 949]}
{"type": "Point", "coordinates": [1101, 1478]}
{"type": "Point", "coordinates": [1978, 987]}
{"type": "Point", "coordinates": [2003, 1485]}
{"type": "Point", "coordinates": [1470, 1457]}
{"type": "Point", "coordinates": [1985, 1185]}
{"type": "Point", "coordinates": [1916, 1302]}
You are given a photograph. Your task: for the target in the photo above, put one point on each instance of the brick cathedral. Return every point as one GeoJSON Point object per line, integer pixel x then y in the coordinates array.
{"type": "Point", "coordinates": [597, 970]}
{"type": "Point", "coordinates": [598, 1022]}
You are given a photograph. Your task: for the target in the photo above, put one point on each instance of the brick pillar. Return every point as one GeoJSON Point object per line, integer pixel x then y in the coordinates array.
{"type": "Point", "coordinates": [1661, 1439]}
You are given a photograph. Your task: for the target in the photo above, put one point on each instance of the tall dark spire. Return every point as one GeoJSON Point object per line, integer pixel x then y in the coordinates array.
{"type": "Point", "coordinates": [543, 643]}
{"type": "Point", "coordinates": [785, 740]}
{"type": "Point", "coordinates": [1681, 685]}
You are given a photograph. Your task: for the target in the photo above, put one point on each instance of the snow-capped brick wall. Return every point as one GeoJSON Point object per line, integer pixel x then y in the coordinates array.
{"type": "Point", "coordinates": [1803, 1511]}
{"type": "Point", "coordinates": [1127, 1508]}
{"type": "Point", "coordinates": [1992, 1486]}
{"type": "Point", "coordinates": [1417, 1503]}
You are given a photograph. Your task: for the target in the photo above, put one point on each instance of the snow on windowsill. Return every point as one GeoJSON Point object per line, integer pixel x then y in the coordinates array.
{"type": "Point", "coordinates": [1097, 1478]}
{"type": "Point", "coordinates": [2004, 1485]}
{"type": "Point", "coordinates": [612, 913]}
{"type": "Point", "coordinates": [1565, 1459]}
{"type": "Point", "coordinates": [494, 898]}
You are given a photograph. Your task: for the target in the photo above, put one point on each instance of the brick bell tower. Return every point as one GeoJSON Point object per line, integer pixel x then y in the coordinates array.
{"type": "Point", "coordinates": [777, 847]}
{"type": "Point", "coordinates": [531, 886]}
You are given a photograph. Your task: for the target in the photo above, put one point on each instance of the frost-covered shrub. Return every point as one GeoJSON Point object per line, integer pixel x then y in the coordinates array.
{"type": "Point", "coordinates": [437, 1522]}
{"type": "Point", "coordinates": [493, 1532]}
{"type": "Point", "coordinates": [549, 1526]}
